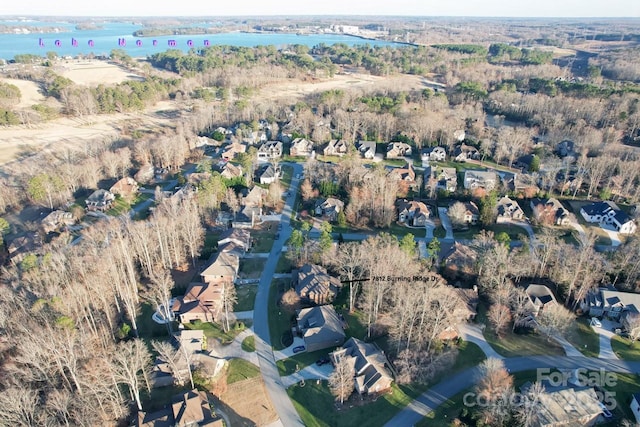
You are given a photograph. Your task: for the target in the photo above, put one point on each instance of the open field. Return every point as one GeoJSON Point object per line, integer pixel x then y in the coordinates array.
{"type": "Point", "coordinates": [94, 72]}
{"type": "Point", "coordinates": [29, 92]}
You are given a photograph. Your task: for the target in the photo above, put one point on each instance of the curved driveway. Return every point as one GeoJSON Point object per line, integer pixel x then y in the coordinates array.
{"type": "Point", "coordinates": [279, 397]}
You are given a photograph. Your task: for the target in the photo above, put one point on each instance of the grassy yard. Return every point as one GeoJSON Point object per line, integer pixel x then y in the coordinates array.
{"type": "Point", "coordinates": [400, 231]}
{"type": "Point", "coordinates": [246, 297]}
{"type": "Point", "coordinates": [301, 360]}
{"type": "Point", "coordinates": [584, 338]}
{"type": "Point", "coordinates": [513, 231]}
{"type": "Point", "coordinates": [263, 238]}
{"type": "Point", "coordinates": [251, 268]}
{"type": "Point", "coordinates": [284, 265]}
{"type": "Point", "coordinates": [215, 331]}
{"type": "Point", "coordinates": [440, 232]}
{"type": "Point", "coordinates": [120, 206]}
{"type": "Point", "coordinates": [287, 173]}
{"type": "Point", "coordinates": [147, 328]}
{"type": "Point", "coordinates": [249, 344]}
{"type": "Point", "coordinates": [279, 320]}
{"type": "Point", "coordinates": [241, 370]}
{"type": "Point", "coordinates": [624, 349]}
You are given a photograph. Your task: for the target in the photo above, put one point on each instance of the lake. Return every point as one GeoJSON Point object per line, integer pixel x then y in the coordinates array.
{"type": "Point", "coordinates": [70, 41]}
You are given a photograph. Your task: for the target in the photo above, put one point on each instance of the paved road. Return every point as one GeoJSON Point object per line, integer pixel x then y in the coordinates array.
{"type": "Point", "coordinates": [277, 392]}
{"type": "Point", "coordinates": [441, 392]}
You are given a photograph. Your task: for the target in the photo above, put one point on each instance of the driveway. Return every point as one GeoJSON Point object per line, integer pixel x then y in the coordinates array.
{"type": "Point", "coordinates": [473, 333]}
{"type": "Point", "coordinates": [605, 332]}
{"type": "Point", "coordinates": [612, 234]}
{"type": "Point", "coordinates": [311, 372]}
{"type": "Point", "coordinates": [446, 223]}
{"type": "Point", "coordinates": [288, 352]}
{"type": "Point", "coordinates": [233, 350]}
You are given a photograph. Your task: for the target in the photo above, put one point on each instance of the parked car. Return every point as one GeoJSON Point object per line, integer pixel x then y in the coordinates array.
{"type": "Point", "coordinates": [323, 361]}
{"type": "Point", "coordinates": [298, 349]}
{"type": "Point", "coordinates": [595, 322]}
{"type": "Point", "coordinates": [277, 236]}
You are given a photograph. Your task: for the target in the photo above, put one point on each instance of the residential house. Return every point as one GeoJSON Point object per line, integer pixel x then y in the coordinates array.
{"type": "Point", "coordinates": [197, 178]}
{"type": "Point", "coordinates": [56, 220]}
{"type": "Point", "coordinates": [370, 365]}
{"type": "Point", "coordinates": [412, 212]}
{"type": "Point", "coordinates": [336, 147]}
{"type": "Point", "coordinates": [433, 154]}
{"type": "Point", "coordinates": [100, 200]}
{"type": "Point", "coordinates": [406, 177]}
{"type": "Point", "coordinates": [519, 183]}
{"type": "Point", "coordinates": [191, 340]}
{"type": "Point", "coordinates": [446, 179]}
{"type": "Point", "coordinates": [460, 261]}
{"type": "Point", "coordinates": [270, 150]}
{"type": "Point", "coordinates": [464, 152]}
{"type": "Point", "coordinates": [566, 406]}
{"type": "Point", "coordinates": [270, 174]}
{"type": "Point", "coordinates": [223, 269]}
{"type": "Point", "coordinates": [540, 296]}
{"type": "Point", "coordinates": [329, 208]}
{"type": "Point", "coordinates": [635, 406]}
{"type": "Point", "coordinates": [201, 301]}
{"type": "Point", "coordinates": [566, 148]}
{"type": "Point", "coordinates": [608, 214]}
{"type": "Point", "coordinates": [474, 179]}
{"type": "Point", "coordinates": [314, 284]}
{"type": "Point", "coordinates": [465, 310]}
{"type": "Point", "coordinates": [508, 210]}
{"type": "Point", "coordinates": [255, 196]}
{"type": "Point", "coordinates": [188, 409]}
{"type": "Point", "coordinates": [549, 211]}
{"type": "Point", "coordinates": [231, 150]}
{"type": "Point", "coordinates": [611, 303]}
{"type": "Point", "coordinates": [398, 150]}
{"type": "Point", "coordinates": [235, 240]}
{"type": "Point", "coordinates": [127, 188]}
{"type": "Point", "coordinates": [367, 149]}
{"type": "Point", "coordinates": [302, 147]}
{"type": "Point", "coordinates": [255, 138]}
{"type": "Point", "coordinates": [19, 247]}
{"type": "Point", "coordinates": [231, 171]}
{"type": "Point", "coordinates": [472, 213]}
{"type": "Point", "coordinates": [320, 327]}
{"type": "Point", "coordinates": [251, 210]}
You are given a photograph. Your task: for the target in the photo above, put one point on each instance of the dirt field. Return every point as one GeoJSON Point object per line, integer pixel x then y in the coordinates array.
{"type": "Point", "coordinates": [94, 72]}
{"type": "Point", "coordinates": [247, 403]}
{"type": "Point", "coordinates": [30, 92]}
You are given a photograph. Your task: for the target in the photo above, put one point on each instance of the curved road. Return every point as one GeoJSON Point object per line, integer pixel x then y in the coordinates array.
{"type": "Point", "coordinates": [279, 397]}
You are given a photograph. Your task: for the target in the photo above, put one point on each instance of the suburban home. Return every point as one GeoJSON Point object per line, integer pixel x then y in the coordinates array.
{"type": "Point", "coordinates": [336, 147]}
{"type": "Point", "coordinates": [270, 174]}
{"type": "Point", "coordinates": [223, 269]}
{"type": "Point", "coordinates": [197, 178]}
{"type": "Point", "coordinates": [201, 301]}
{"type": "Point", "coordinates": [320, 327]}
{"type": "Point", "coordinates": [56, 220]}
{"type": "Point", "coordinates": [329, 208]}
{"type": "Point", "coordinates": [460, 261]}
{"type": "Point", "coordinates": [635, 406]}
{"type": "Point", "coordinates": [398, 150]}
{"type": "Point", "coordinates": [100, 200]}
{"type": "Point", "coordinates": [472, 213]}
{"type": "Point", "coordinates": [465, 311]}
{"type": "Point", "coordinates": [540, 297]}
{"type": "Point", "coordinates": [405, 174]}
{"type": "Point", "coordinates": [251, 211]}
{"type": "Point", "coordinates": [508, 210]}
{"type": "Point", "coordinates": [566, 406]}
{"type": "Point", "coordinates": [231, 150]}
{"type": "Point", "coordinates": [270, 150]}
{"type": "Point", "coordinates": [235, 240]}
{"type": "Point", "coordinates": [433, 154]}
{"type": "Point", "coordinates": [412, 212]}
{"type": "Point", "coordinates": [302, 147]}
{"type": "Point", "coordinates": [446, 179]}
{"type": "Point", "coordinates": [611, 303]}
{"type": "Point", "coordinates": [255, 137]}
{"type": "Point", "coordinates": [566, 148]}
{"type": "Point", "coordinates": [314, 284]}
{"type": "Point", "coordinates": [193, 341]}
{"type": "Point", "coordinates": [231, 171]}
{"type": "Point", "coordinates": [608, 214]}
{"type": "Point", "coordinates": [480, 179]}
{"type": "Point", "coordinates": [367, 149]}
{"type": "Point", "coordinates": [549, 211]}
{"type": "Point", "coordinates": [463, 152]}
{"type": "Point", "coordinates": [127, 188]}
{"type": "Point", "coordinates": [187, 409]}
{"type": "Point", "coordinates": [18, 248]}
{"type": "Point", "coordinates": [370, 365]}
{"type": "Point", "coordinates": [255, 196]}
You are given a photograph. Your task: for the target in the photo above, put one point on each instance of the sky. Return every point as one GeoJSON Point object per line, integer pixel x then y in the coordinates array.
{"type": "Point", "coordinates": [501, 8]}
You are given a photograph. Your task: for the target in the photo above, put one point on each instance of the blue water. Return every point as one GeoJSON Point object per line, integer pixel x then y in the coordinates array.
{"type": "Point", "coordinates": [107, 38]}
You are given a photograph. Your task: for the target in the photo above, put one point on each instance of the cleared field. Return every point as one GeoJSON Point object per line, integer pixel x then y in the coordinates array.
{"type": "Point", "coordinates": [29, 91]}
{"type": "Point", "coordinates": [247, 403]}
{"type": "Point", "coordinates": [94, 72]}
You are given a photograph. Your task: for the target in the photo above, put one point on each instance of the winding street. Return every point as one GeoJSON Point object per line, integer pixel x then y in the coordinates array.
{"type": "Point", "coordinates": [277, 392]}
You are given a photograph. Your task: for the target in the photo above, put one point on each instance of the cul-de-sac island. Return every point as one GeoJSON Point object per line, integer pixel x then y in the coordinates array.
{"type": "Point", "coordinates": [358, 221]}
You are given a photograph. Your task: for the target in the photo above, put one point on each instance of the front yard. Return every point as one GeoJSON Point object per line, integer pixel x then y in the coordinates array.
{"type": "Point", "coordinates": [584, 338]}
{"type": "Point", "coordinates": [246, 297]}
{"type": "Point", "coordinates": [215, 331]}
{"type": "Point", "coordinates": [251, 268]}
{"type": "Point", "coordinates": [625, 349]}
{"type": "Point", "coordinates": [299, 361]}
{"type": "Point", "coordinates": [279, 319]}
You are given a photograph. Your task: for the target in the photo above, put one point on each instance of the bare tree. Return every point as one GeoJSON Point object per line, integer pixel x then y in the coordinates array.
{"type": "Point", "coordinates": [229, 299]}
{"type": "Point", "coordinates": [131, 363]}
{"type": "Point", "coordinates": [500, 317]}
{"type": "Point", "coordinates": [633, 325]}
{"type": "Point", "coordinates": [177, 359]}
{"type": "Point", "coordinates": [528, 411]}
{"type": "Point", "coordinates": [19, 406]}
{"type": "Point", "coordinates": [341, 381]}
{"type": "Point", "coordinates": [555, 320]}
{"type": "Point", "coordinates": [495, 387]}
{"type": "Point", "coordinates": [348, 260]}
{"type": "Point", "coordinates": [456, 214]}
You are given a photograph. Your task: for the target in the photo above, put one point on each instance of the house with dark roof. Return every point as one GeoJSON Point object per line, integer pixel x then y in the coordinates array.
{"type": "Point", "coordinates": [540, 297]}
{"type": "Point", "coordinates": [611, 303]}
{"type": "Point", "coordinates": [270, 174]}
{"type": "Point", "coordinates": [320, 327]}
{"type": "Point", "coordinates": [471, 213]}
{"type": "Point", "coordinates": [329, 208]}
{"type": "Point", "coordinates": [367, 149]}
{"type": "Point", "coordinates": [372, 371]}
{"type": "Point", "coordinates": [314, 284]}
{"type": "Point", "coordinates": [508, 210]}
{"type": "Point", "coordinates": [336, 147]}
{"type": "Point", "coordinates": [433, 154]}
{"type": "Point", "coordinates": [549, 211]}
{"type": "Point", "coordinates": [223, 269]}
{"type": "Point", "coordinates": [446, 179]}
{"type": "Point", "coordinates": [463, 152]}
{"type": "Point", "coordinates": [100, 200]}
{"type": "Point", "coordinates": [413, 212]}
{"type": "Point", "coordinates": [608, 214]}
{"type": "Point", "coordinates": [236, 240]}
{"type": "Point", "coordinates": [190, 409]}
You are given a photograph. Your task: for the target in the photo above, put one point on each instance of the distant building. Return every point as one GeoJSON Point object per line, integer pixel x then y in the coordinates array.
{"type": "Point", "coordinates": [508, 210]}
{"type": "Point", "coordinates": [336, 147]}
{"type": "Point", "coordinates": [398, 150]}
{"type": "Point", "coordinates": [480, 179]}
{"type": "Point", "coordinates": [367, 149]}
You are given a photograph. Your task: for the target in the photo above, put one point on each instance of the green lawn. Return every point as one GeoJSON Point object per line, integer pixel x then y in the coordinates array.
{"type": "Point", "coordinates": [251, 268]}
{"type": "Point", "coordinates": [246, 297]}
{"type": "Point", "coordinates": [284, 264]}
{"type": "Point", "coordinates": [215, 331]}
{"type": "Point", "coordinates": [440, 232]}
{"type": "Point", "coordinates": [514, 232]}
{"type": "Point", "coordinates": [400, 231]}
{"type": "Point", "coordinates": [584, 338]}
{"type": "Point", "coordinates": [241, 370]}
{"type": "Point", "coordinates": [279, 320]}
{"type": "Point", "coordinates": [210, 245]}
{"type": "Point", "coordinates": [469, 355]}
{"type": "Point", "coordinates": [287, 173]}
{"type": "Point", "coordinates": [249, 344]}
{"type": "Point", "coordinates": [624, 388]}
{"type": "Point", "coordinates": [120, 206]}
{"type": "Point", "coordinates": [263, 239]}
{"type": "Point", "coordinates": [147, 328]}
{"type": "Point", "coordinates": [301, 360]}
{"type": "Point", "coordinates": [624, 349]}
{"type": "Point", "coordinates": [356, 326]}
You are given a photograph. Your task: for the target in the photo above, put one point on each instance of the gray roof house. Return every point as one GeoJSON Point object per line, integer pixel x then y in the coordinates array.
{"type": "Point", "coordinates": [608, 214]}
{"type": "Point", "coordinates": [270, 174]}
{"type": "Point", "coordinates": [320, 327]}
{"type": "Point", "coordinates": [549, 211]}
{"type": "Point", "coordinates": [301, 147]}
{"type": "Point", "coordinates": [611, 303]}
{"type": "Point", "coordinates": [270, 150]}
{"type": "Point", "coordinates": [540, 297]}
{"type": "Point", "coordinates": [370, 365]}
{"type": "Point", "coordinates": [413, 212]}
{"type": "Point", "coordinates": [367, 149]}
{"type": "Point", "coordinates": [446, 179]}
{"type": "Point", "coordinates": [100, 200]}
{"type": "Point", "coordinates": [508, 210]}
{"type": "Point", "coordinates": [236, 240]}
{"type": "Point", "coordinates": [480, 179]}
{"type": "Point", "coordinates": [433, 154]}
{"type": "Point", "coordinates": [329, 207]}
{"type": "Point", "coordinates": [313, 283]}
{"type": "Point", "coordinates": [398, 150]}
